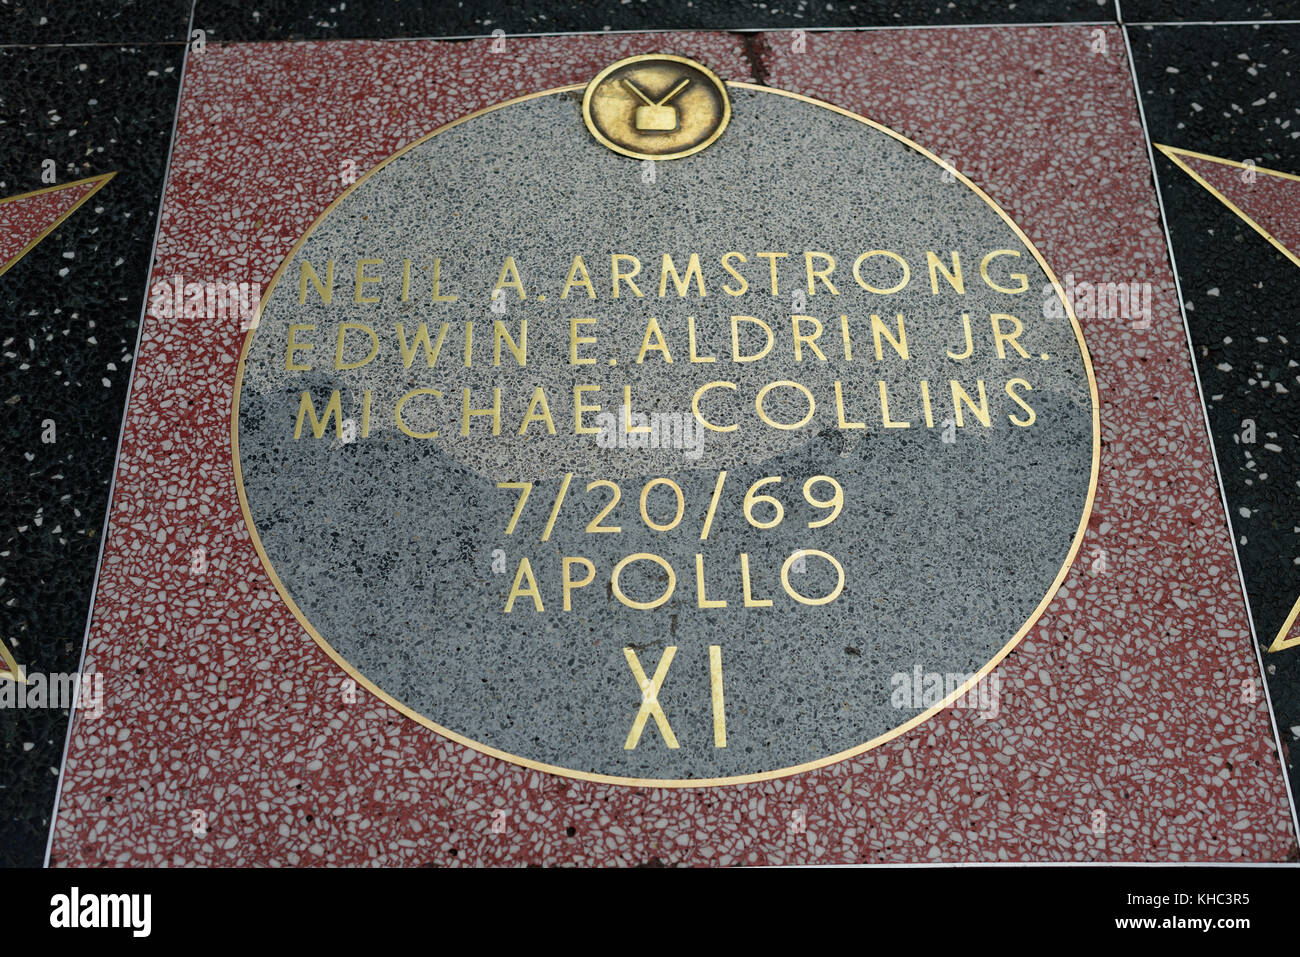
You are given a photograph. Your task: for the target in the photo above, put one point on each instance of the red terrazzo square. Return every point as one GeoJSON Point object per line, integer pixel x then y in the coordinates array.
{"type": "Point", "coordinates": [226, 739]}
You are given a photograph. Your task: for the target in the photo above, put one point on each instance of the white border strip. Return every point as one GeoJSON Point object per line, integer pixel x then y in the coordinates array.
{"type": "Point", "coordinates": [1037, 865]}
{"type": "Point", "coordinates": [121, 431]}
{"type": "Point", "coordinates": [1209, 23]}
{"type": "Point", "coordinates": [811, 28]}
{"type": "Point", "coordinates": [1137, 92]}
{"type": "Point", "coordinates": [697, 29]}
{"type": "Point", "coordinates": [1205, 412]}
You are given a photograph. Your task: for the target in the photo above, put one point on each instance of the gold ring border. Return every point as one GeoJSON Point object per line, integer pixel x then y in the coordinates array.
{"type": "Point", "coordinates": [606, 141]}
{"type": "Point", "coordinates": [670, 782]}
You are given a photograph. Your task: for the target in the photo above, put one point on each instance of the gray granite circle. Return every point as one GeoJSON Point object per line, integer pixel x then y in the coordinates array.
{"type": "Point", "coordinates": [402, 549]}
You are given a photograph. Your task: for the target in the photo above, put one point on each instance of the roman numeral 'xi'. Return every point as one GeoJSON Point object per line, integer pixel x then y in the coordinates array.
{"type": "Point", "coordinates": [650, 706]}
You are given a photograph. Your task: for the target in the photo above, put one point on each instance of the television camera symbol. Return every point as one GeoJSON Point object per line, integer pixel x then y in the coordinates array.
{"type": "Point", "coordinates": [656, 117]}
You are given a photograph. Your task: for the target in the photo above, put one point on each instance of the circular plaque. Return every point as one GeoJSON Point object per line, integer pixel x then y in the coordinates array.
{"type": "Point", "coordinates": [669, 474]}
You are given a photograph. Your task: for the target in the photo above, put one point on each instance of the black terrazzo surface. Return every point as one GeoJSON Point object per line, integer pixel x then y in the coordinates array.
{"type": "Point", "coordinates": [47, 569]}
{"type": "Point", "coordinates": [71, 308]}
{"type": "Point", "coordinates": [1234, 95]}
{"type": "Point", "coordinates": [311, 19]}
{"type": "Point", "coordinates": [125, 21]}
{"type": "Point", "coordinates": [1192, 11]}
{"type": "Point", "coordinates": [142, 21]}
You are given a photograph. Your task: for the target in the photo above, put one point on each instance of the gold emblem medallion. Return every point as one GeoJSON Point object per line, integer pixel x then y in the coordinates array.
{"type": "Point", "coordinates": [656, 106]}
